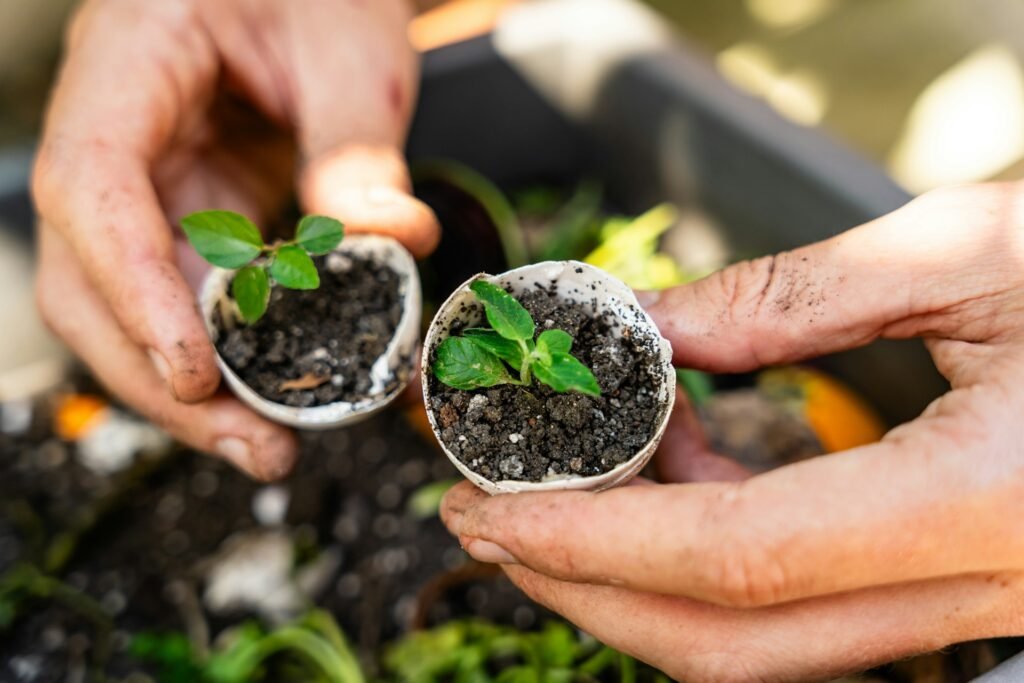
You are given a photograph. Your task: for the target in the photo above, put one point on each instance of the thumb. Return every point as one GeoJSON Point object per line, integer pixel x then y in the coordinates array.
{"type": "Point", "coordinates": [899, 276]}
{"type": "Point", "coordinates": [368, 188]}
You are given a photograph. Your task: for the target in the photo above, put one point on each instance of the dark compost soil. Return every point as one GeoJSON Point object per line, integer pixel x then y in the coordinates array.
{"type": "Point", "coordinates": [327, 337]}
{"type": "Point", "coordinates": [526, 434]}
{"type": "Point", "coordinates": [348, 496]}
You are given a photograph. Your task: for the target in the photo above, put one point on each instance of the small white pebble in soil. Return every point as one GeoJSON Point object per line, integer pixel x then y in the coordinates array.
{"type": "Point", "coordinates": [462, 437]}
{"type": "Point", "coordinates": [270, 505]}
{"type": "Point", "coordinates": [477, 402]}
{"type": "Point", "coordinates": [515, 438]}
{"type": "Point", "coordinates": [337, 380]}
{"type": "Point", "coordinates": [576, 464]}
{"type": "Point", "coordinates": [549, 323]}
{"type": "Point", "coordinates": [512, 466]}
{"type": "Point", "coordinates": [337, 263]}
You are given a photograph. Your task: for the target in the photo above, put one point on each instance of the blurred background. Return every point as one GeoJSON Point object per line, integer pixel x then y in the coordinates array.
{"type": "Point", "coordinates": [929, 91]}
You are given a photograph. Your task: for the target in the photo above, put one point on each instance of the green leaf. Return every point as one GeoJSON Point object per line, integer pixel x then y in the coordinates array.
{"type": "Point", "coordinates": [319, 234]}
{"type": "Point", "coordinates": [251, 291]}
{"type": "Point", "coordinates": [506, 349]}
{"type": "Point", "coordinates": [554, 341]}
{"type": "Point", "coordinates": [567, 374]}
{"type": "Point", "coordinates": [506, 315]}
{"type": "Point", "coordinates": [697, 385]}
{"type": "Point", "coordinates": [464, 365]}
{"type": "Point", "coordinates": [293, 268]}
{"type": "Point", "coordinates": [426, 500]}
{"type": "Point", "coordinates": [224, 238]}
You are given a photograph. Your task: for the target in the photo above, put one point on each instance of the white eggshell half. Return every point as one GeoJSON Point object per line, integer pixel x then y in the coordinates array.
{"type": "Point", "coordinates": [574, 280]}
{"type": "Point", "coordinates": [397, 361]}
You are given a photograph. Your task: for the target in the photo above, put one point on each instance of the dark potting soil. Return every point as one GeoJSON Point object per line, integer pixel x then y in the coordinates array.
{"type": "Point", "coordinates": [314, 347]}
{"type": "Point", "coordinates": [526, 434]}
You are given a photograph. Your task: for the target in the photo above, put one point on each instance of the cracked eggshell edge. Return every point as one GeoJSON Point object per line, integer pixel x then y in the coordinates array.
{"type": "Point", "coordinates": [398, 358]}
{"type": "Point", "coordinates": [574, 279]}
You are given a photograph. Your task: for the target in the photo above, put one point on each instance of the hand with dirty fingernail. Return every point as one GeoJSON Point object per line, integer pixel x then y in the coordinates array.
{"type": "Point", "coordinates": [837, 563]}
{"type": "Point", "coordinates": [143, 129]}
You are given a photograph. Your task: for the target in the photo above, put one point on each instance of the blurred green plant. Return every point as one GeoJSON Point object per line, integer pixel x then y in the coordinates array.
{"type": "Point", "coordinates": [315, 646]}
{"type": "Point", "coordinates": [426, 500]}
{"type": "Point", "coordinates": [473, 651]}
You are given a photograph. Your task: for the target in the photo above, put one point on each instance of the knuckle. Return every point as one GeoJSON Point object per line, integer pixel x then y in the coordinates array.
{"type": "Point", "coordinates": [744, 570]}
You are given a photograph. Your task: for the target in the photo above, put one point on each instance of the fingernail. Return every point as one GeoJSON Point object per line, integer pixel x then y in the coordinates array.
{"type": "Point", "coordinates": [382, 194]}
{"type": "Point", "coordinates": [163, 368]}
{"type": "Point", "coordinates": [648, 298]}
{"type": "Point", "coordinates": [489, 553]}
{"type": "Point", "coordinates": [236, 451]}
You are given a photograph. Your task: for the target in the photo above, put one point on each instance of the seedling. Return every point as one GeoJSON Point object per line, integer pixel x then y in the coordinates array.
{"type": "Point", "coordinates": [506, 353]}
{"type": "Point", "coordinates": [230, 240]}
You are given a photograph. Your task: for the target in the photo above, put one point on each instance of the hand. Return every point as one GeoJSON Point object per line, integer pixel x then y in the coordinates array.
{"type": "Point", "coordinates": [839, 562]}
{"type": "Point", "coordinates": [164, 108]}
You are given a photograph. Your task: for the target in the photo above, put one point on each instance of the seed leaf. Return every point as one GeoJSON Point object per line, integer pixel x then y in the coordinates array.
{"type": "Point", "coordinates": [462, 364]}
{"type": "Point", "coordinates": [506, 315]}
{"type": "Point", "coordinates": [554, 341]}
{"type": "Point", "coordinates": [224, 238]}
{"type": "Point", "coordinates": [319, 234]}
{"type": "Point", "coordinates": [251, 291]}
{"type": "Point", "coordinates": [489, 340]}
{"type": "Point", "coordinates": [293, 268]}
{"type": "Point", "coordinates": [565, 373]}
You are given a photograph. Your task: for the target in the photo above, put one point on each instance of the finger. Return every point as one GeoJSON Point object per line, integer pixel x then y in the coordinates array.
{"type": "Point", "coordinates": [132, 72]}
{"type": "Point", "coordinates": [369, 190]}
{"type": "Point", "coordinates": [810, 640]}
{"type": "Point", "coordinates": [218, 425]}
{"type": "Point", "coordinates": [821, 526]}
{"type": "Point", "coordinates": [684, 455]}
{"type": "Point", "coordinates": [901, 275]}
{"type": "Point", "coordinates": [352, 143]}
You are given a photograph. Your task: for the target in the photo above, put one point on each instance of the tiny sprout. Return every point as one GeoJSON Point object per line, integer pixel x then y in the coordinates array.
{"type": "Point", "coordinates": [230, 240]}
{"type": "Point", "coordinates": [506, 353]}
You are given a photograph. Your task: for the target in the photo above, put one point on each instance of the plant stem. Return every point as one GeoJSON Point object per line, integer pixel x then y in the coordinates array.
{"type": "Point", "coordinates": [524, 370]}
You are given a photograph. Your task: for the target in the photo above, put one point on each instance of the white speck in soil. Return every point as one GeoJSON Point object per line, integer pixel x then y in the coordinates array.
{"type": "Point", "coordinates": [386, 525]}
{"type": "Point", "coordinates": [204, 484]}
{"type": "Point", "coordinates": [348, 586]}
{"type": "Point", "coordinates": [549, 323]}
{"type": "Point", "coordinates": [514, 438]}
{"type": "Point", "coordinates": [511, 466]}
{"type": "Point", "coordinates": [52, 638]}
{"type": "Point", "coordinates": [404, 610]}
{"type": "Point", "coordinates": [170, 508]}
{"type": "Point", "coordinates": [114, 602]}
{"type": "Point", "coordinates": [389, 496]}
{"type": "Point", "coordinates": [270, 505]}
{"type": "Point", "coordinates": [523, 617]}
{"type": "Point", "coordinates": [391, 561]}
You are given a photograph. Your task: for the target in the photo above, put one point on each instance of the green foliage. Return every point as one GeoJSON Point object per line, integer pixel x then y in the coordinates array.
{"type": "Point", "coordinates": [426, 500]}
{"type": "Point", "coordinates": [230, 240]}
{"type": "Point", "coordinates": [293, 268]}
{"type": "Point", "coordinates": [251, 290]}
{"type": "Point", "coordinates": [318, 647]}
{"type": "Point", "coordinates": [478, 358]}
{"type": "Point", "coordinates": [463, 364]}
{"type": "Point", "coordinates": [473, 651]}
{"type": "Point", "coordinates": [224, 238]}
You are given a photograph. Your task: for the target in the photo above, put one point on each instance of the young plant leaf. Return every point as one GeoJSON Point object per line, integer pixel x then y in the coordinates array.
{"type": "Point", "coordinates": [554, 341]}
{"type": "Point", "coordinates": [224, 238]}
{"type": "Point", "coordinates": [251, 291]}
{"type": "Point", "coordinates": [506, 349]}
{"type": "Point", "coordinates": [506, 315]}
{"type": "Point", "coordinates": [464, 365]}
{"type": "Point", "coordinates": [319, 234]}
{"type": "Point", "coordinates": [565, 373]}
{"type": "Point", "coordinates": [293, 268]}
